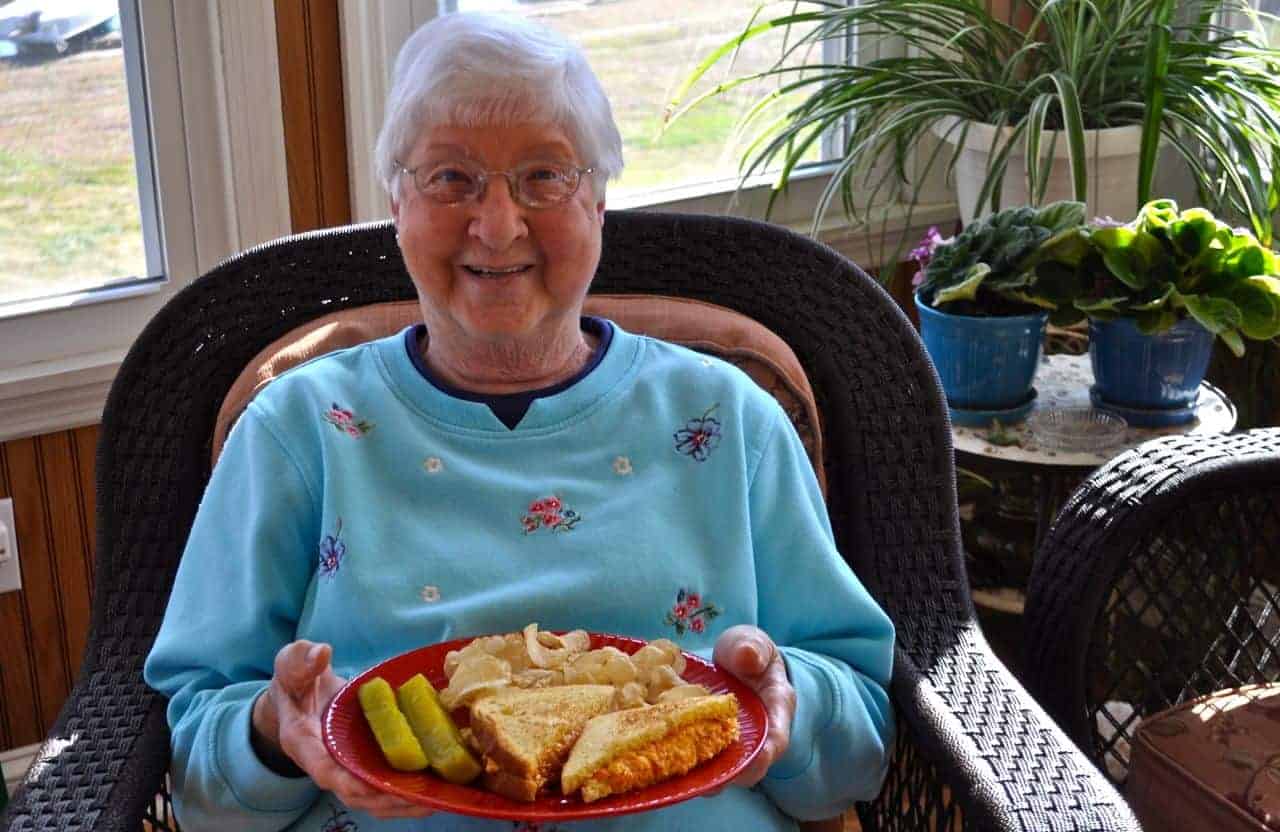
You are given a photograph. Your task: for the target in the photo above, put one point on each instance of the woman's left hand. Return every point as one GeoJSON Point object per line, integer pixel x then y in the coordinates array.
{"type": "Point", "coordinates": [748, 653]}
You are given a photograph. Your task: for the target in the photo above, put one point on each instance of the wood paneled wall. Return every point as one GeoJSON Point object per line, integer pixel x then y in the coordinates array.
{"type": "Point", "coordinates": [315, 134]}
{"type": "Point", "coordinates": [44, 626]}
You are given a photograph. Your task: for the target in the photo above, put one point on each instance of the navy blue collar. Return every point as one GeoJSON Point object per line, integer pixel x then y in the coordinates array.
{"type": "Point", "coordinates": [510, 407]}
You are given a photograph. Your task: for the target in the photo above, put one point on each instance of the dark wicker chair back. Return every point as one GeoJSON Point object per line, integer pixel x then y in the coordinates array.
{"type": "Point", "coordinates": [973, 750]}
{"type": "Point", "coordinates": [1159, 582]}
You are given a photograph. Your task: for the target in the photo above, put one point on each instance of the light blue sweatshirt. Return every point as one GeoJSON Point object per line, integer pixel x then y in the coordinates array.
{"type": "Point", "coordinates": [357, 504]}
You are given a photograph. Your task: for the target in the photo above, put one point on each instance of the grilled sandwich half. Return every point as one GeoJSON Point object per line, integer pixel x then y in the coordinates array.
{"type": "Point", "coordinates": [526, 735]}
{"type": "Point", "coordinates": [631, 749]}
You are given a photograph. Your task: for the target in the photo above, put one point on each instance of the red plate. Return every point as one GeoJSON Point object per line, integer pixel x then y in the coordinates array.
{"type": "Point", "coordinates": [351, 742]}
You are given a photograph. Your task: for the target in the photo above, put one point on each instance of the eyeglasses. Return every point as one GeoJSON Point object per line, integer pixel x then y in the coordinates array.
{"type": "Point", "coordinates": [533, 185]}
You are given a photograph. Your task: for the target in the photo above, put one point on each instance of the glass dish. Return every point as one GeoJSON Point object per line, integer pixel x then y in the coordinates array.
{"type": "Point", "coordinates": [1079, 429]}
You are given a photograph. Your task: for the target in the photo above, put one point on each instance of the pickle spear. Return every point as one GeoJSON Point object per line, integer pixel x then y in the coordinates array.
{"type": "Point", "coordinates": [390, 728]}
{"type": "Point", "coordinates": [437, 734]}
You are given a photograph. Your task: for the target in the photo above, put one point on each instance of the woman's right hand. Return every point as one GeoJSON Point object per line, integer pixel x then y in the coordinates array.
{"type": "Point", "coordinates": [288, 716]}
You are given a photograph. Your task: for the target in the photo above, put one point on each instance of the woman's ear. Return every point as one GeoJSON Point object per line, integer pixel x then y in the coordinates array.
{"type": "Point", "coordinates": [395, 210]}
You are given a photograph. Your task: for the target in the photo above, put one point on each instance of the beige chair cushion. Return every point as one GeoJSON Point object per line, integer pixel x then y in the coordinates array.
{"type": "Point", "coordinates": [1211, 763]}
{"type": "Point", "coordinates": [694, 324]}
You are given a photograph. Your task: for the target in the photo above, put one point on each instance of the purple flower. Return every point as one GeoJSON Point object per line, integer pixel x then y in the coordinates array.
{"type": "Point", "coordinates": [700, 436]}
{"type": "Point", "coordinates": [332, 551]}
{"type": "Point", "coordinates": [923, 252]}
{"type": "Point", "coordinates": [1105, 222]}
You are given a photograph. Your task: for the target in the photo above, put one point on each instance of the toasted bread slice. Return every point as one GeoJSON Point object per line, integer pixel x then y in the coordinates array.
{"type": "Point", "coordinates": [631, 749]}
{"type": "Point", "coordinates": [525, 735]}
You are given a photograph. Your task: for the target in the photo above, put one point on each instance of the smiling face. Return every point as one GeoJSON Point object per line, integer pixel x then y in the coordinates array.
{"type": "Point", "coordinates": [492, 270]}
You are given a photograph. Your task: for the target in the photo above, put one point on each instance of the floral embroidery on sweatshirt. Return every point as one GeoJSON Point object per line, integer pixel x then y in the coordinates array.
{"type": "Point", "coordinates": [430, 594]}
{"type": "Point", "coordinates": [690, 612]}
{"type": "Point", "coordinates": [700, 436]}
{"type": "Point", "coordinates": [549, 513]}
{"type": "Point", "coordinates": [622, 466]}
{"type": "Point", "coordinates": [332, 551]}
{"type": "Point", "coordinates": [345, 421]}
{"type": "Point", "coordinates": [432, 465]}
{"type": "Point", "coordinates": [338, 821]}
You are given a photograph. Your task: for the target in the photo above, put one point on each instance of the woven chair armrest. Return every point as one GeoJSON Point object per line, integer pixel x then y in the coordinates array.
{"type": "Point", "coordinates": [1006, 762]}
{"type": "Point", "coordinates": [1095, 538]}
{"type": "Point", "coordinates": [106, 756]}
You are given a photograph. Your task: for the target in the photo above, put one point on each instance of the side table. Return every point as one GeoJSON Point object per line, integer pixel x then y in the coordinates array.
{"type": "Point", "coordinates": [1063, 381]}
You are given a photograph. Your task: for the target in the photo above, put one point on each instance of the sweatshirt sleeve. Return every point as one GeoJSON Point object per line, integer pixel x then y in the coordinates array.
{"type": "Point", "coordinates": [236, 600]}
{"type": "Point", "coordinates": [836, 641]}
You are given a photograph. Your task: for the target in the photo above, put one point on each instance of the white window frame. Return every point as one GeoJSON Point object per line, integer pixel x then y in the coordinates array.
{"type": "Point", "coordinates": [372, 32]}
{"type": "Point", "coordinates": [212, 97]}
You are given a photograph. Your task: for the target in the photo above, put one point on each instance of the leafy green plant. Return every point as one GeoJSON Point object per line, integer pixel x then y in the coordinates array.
{"type": "Point", "coordinates": [1011, 262]}
{"type": "Point", "coordinates": [1187, 71]}
{"type": "Point", "coordinates": [1168, 265]}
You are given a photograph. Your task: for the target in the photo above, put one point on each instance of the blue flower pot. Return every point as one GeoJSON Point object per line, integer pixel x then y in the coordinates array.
{"type": "Point", "coordinates": [985, 364]}
{"type": "Point", "coordinates": [1149, 372]}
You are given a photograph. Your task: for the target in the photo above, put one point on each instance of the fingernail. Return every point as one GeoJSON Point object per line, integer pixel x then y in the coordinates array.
{"type": "Point", "coordinates": [313, 655]}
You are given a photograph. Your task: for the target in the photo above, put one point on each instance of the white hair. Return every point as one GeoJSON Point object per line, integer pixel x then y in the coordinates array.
{"type": "Point", "coordinates": [479, 70]}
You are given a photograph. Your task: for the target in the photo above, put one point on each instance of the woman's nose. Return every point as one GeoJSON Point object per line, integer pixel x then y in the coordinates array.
{"type": "Point", "coordinates": [497, 220]}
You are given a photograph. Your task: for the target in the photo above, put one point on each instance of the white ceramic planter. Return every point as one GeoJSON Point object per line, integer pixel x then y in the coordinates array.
{"type": "Point", "coordinates": [1112, 159]}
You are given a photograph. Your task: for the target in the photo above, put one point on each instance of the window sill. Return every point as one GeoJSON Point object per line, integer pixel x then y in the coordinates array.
{"type": "Point", "coordinates": [71, 392]}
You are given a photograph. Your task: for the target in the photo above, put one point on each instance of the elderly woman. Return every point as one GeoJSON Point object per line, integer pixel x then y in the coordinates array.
{"type": "Point", "coordinates": [506, 461]}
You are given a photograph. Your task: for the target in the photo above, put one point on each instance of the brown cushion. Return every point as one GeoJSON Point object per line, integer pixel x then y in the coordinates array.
{"type": "Point", "coordinates": [1211, 763]}
{"type": "Point", "coordinates": [694, 324]}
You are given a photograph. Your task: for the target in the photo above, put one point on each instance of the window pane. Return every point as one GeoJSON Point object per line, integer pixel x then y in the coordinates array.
{"type": "Point", "coordinates": [69, 209]}
{"type": "Point", "coordinates": [642, 50]}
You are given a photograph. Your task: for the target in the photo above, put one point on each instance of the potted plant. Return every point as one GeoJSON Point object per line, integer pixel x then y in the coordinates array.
{"type": "Point", "coordinates": [985, 297]}
{"type": "Point", "coordinates": [1158, 291]}
{"type": "Point", "coordinates": [1019, 96]}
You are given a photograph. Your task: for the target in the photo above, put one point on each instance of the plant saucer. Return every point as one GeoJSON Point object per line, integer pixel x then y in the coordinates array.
{"type": "Point", "coordinates": [1141, 417]}
{"type": "Point", "coordinates": [982, 418]}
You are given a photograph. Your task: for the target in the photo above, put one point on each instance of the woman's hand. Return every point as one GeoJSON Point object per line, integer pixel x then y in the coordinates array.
{"type": "Point", "coordinates": [287, 718]}
{"type": "Point", "coordinates": [748, 653]}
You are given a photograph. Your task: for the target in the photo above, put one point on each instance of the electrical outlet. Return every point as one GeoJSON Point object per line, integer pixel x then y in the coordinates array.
{"type": "Point", "coordinates": [10, 574]}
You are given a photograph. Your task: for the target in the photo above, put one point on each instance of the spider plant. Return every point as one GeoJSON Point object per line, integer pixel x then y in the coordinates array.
{"type": "Point", "coordinates": [1197, 74]}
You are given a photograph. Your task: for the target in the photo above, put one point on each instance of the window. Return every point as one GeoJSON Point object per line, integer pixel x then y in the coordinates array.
{"type": "Point", "coordinates": [165, 154]}
{"type": "Point", "coordinates": [71, 210]}
{"type": "Point", "coordinates": [642, 50]}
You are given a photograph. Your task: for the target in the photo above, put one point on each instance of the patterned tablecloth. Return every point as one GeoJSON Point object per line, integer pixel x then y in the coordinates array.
{"type": "Point", "coordinates": [1063, 381]}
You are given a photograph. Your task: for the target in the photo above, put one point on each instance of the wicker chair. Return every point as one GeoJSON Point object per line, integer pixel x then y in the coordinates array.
{"type": "Point", "coordinates": [974, 751]}
{"type": "Point", "coordinates": [1157, 583]}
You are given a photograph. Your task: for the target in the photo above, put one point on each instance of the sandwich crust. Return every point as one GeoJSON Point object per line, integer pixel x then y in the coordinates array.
{"type": "Point", "coordinates": [525, 735]}
{"type": "Point", "coordinates": [627, 750]}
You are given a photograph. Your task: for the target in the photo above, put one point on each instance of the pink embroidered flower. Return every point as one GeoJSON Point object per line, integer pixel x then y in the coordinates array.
{"type": "Point", "coordinates": [546, 512]}
{"type": "Point", "coordinates": [690, 612]}
{"type": "Point", "coordinates": [345, 421]}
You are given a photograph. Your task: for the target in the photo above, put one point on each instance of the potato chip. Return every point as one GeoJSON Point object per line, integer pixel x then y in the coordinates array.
{"type": "Point", "coordinates": [681, 692]}
{"type": "Point", "coordinates": [535, 677]}
{"type": "Point", "coordinates": [630, 695]}
{"type": "Point", "coordinates": [473, 676]}
{"type": "Point", "coordinates": [542, 654]}
{"type": "Point", "coordinates": [536, 658]}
